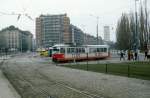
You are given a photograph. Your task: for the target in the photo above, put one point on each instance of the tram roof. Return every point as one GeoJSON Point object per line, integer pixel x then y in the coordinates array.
{"type": "Point", "coordinates": [64, 45]}
{"type": "Point", "coordinates": [96, 45]}
{"type": "Point", "coordinates": [61, 45]}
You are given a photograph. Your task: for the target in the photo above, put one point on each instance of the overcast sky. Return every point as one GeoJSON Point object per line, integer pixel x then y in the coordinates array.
{"type": "Point", "coordinates": [79, 11]}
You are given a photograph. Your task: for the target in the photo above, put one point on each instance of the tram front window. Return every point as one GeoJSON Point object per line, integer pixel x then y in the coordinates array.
{"type": "Point", "coordinates": [55, 51]}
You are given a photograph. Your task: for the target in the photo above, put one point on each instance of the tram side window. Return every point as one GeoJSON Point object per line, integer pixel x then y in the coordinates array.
{"type": "Point", "coordinates": [68, 50]}
{"type": "Point", "coordinates": [80, 50]}
{"type": "Point", "coordinates": [77, 50]}
{"type": "Point", "coordinates": [98, 49]}
{"type": "Point", "coordinates": [83, 50]}
{"type": "Point", "coordinates": [105, 49]}
{"type": "Point", "coordinates": [93, 50]}
{"type": "Point", "coordinates": [102, 49]}
{"type": "Point", "coordinates": [62, 50]}
{"type": "Point", "coordinates": [72, 50]}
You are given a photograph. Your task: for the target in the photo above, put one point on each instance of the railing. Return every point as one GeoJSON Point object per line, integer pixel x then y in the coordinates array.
{"type": "Point", "coordinates": [130, 69]}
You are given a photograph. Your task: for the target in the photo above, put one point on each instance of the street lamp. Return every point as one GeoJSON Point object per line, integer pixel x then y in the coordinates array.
{"type": "Point", "coordinates": [97, 19]}
{"type": "Point", "coordinates": [147, 33]}
{"type": "Point", "coordinates": [85, 41]}
{"type": "Point", "coordinates": [136, 39]}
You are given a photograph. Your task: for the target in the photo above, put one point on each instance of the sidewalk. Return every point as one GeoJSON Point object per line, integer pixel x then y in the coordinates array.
{"type": "Point", "coordinates": [6, 89]}
{"type": "Point", "coordinates": [4, 57]}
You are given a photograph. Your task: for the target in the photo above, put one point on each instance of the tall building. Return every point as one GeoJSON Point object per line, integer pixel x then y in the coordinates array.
{"type": "Point", "coordinates": [26, 41]}
{"type": "Point", "coordinates": [52, 29]}
{"type": "Point", "coordinates": [106, 33]}
{"type": "Point", "coordinates": [56, 29]}
{"type": "Point", "coordinates": [77, 35]}
{"type": "Point", "coordinates": [92, 40]}
{"type": "Point", "coordinates": [14, 39]}
{"type": "Point", "coordinates": [34, 44]}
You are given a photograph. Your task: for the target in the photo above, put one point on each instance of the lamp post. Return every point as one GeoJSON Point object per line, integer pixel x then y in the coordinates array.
{"type": "Point", "coordinates": [146, 23]}
{"type": "Point", "coordinates": [97, 26]}
{"type": "Point", "coordinates": [21, 43]}
{"type": "Point", "coordinates": [97, 30]}
{"type": "Point", "coordinates": [136, 38]}
{"type": "Point", "coordinates": [85, 40]}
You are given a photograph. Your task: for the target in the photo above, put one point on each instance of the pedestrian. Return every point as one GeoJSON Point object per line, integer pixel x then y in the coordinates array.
{"type": "Point", "coordinates": [129, 56]}
{"type": "Point", "coordinates": [135, 55]}
{"type": "Point", "coordinates": [146, 53]}
{"type": "Point", "coordinates": [122, 56]}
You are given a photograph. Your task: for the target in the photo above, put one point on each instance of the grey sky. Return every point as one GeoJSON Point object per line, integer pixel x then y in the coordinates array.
{"type": "Point", "coordinates": [79, 12]}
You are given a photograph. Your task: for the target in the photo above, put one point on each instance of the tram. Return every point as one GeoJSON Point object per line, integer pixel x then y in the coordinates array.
{"type": "Point", "coordinates": [65, 53]}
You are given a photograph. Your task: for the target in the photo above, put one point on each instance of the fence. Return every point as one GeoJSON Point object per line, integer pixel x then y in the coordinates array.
{"type": "Point", "coordinates": [129, 69]}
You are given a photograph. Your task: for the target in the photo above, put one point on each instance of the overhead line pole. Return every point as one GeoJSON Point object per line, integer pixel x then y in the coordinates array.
{"type": "Point", "coordinates": [147, 31]}
{"type": "Point", "coordinates": [136, 39]}
{"type": "Point", "coordinates": [97, 30]}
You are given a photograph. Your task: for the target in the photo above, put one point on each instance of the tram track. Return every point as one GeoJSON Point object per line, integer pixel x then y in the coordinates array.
{"type": "Point", "coordinates": [29, 84]}
{"type": "Point", "coordinates": [89, 95]}
{"type": "Point", "coordinates": [44, 91]}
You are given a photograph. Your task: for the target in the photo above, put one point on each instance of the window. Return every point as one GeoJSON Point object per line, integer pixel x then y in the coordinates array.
{"type": "Point", "coordinates": [83, 50]}
{"type": "Point", "coordinates": [62, 50]}
{"type": "Point", "coordinates": [72, 50]}
{"type": "Point", "coordinates": [68, 50]}
{"type": "Point", "coordinates": [105, 49]}
{"type": "Point", "coordinates": [92, 50]}
{"type": "Point", "coordinates": [55, 50]}
{"type": "Point", "coordinates": [98, 49]}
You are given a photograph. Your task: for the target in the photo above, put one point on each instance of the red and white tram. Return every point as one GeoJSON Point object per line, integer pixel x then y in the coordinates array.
{"type": "Point", "coordinates": [64, 53]}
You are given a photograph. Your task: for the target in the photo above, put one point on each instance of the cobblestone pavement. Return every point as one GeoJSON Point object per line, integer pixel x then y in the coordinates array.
{"type": "Point", "coordinates": [35, 77]}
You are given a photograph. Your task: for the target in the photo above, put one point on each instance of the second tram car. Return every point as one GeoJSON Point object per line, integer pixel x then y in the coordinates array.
{"type": "Point", "coordinates": [65, 53]}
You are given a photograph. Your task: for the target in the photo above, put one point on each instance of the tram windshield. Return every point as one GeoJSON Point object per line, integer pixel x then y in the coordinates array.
{"type": "Point", "coordinates": [55, 50]}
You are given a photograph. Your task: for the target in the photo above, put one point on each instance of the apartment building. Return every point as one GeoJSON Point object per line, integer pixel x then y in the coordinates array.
{"type": "Point", "coordinates": [14, 39]}
{"type": "Point", "coordinates": [52, 29]}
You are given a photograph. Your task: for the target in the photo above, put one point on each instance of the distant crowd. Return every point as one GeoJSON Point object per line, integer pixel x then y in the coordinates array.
{"type": "Point", "coordinates": [133, 55]}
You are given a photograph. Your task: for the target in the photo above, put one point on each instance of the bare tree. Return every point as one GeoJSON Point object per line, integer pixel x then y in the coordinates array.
{"type": "Point", "coordinates": [126, 29]}
{"type": "Point", "coordinates": [123, 33]}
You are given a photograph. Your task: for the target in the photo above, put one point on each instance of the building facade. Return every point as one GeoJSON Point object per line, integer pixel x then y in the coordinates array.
{"type": "Point", "coordinates": [26, 41]}
{"type": "Point", "coordinates": [92, 40]}
{"type": "Point", "coordinates": [56, 29]}
{"type": "Point", "coordinates": [81, 38]}
{"type": "Point", "coordinates": [77, 35]}
{"type": "Point", "coordinates": [106, 33]}
{"type": "Point", "coordinates": [52, 29]}
{"type": "Point", "coordinates": [14, 39]}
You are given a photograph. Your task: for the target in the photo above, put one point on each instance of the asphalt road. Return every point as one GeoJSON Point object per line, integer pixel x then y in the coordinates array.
{"type": "Point", "coordinates": [36, 77]}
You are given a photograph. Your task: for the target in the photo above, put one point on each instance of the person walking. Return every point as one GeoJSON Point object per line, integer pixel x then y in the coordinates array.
{"type": "Point", "coordinates": [135, 55]}
{"type": "Point", "coordinates": [122, 56]}
{"type": "Point", "coordinates": [146, 53]}
{"type": "Point", "coordinates": [129, 55]}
